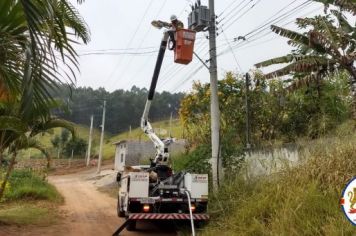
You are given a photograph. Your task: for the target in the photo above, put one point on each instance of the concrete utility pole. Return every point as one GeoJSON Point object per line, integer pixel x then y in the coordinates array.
{"type": "Point", "coordinates": [170, 125]}
{"type": "Point", "coordinates": [215, 112]}
{"type": "Point", "coordinates": [90, 139]}
{"type": "Point", "coordinates": [101, 139]}
{"type": "Point", "coordinates": [247, 104]}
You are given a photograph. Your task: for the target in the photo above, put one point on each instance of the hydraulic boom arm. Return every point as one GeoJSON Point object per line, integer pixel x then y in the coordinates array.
{"type": "Point", "coordinates": [162, 154]}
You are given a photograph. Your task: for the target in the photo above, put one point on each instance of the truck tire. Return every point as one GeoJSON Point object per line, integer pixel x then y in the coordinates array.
{"type": "Point", "coordinates": [199, 224]}
{"type": "Point", "coordinates": [120, 213]}
{"type": "Point", "coordinates": [131, 226]}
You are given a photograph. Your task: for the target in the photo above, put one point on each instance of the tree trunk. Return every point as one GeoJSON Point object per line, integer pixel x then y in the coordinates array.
{"type": "Point", "coordinates": [48, 158]}
{"type": "Point", "coordinates": [9, 169]}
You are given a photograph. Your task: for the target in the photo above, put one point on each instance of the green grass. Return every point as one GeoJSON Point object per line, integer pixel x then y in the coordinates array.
{"type": "Point", "coordinates": [137, 134]}
{"type": "Point", "coordinates": [27, 214]}
{"type": "Point", "coordinates": [26, 185]}
{"type": "Point", "coordinates": [45, 139]}
{"type": "Point", "coordinates": [29, 199]}
{"type": "Point", "coordinates": [303, 200]}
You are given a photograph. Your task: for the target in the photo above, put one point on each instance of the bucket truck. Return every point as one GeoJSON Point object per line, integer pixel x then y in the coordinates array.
{"type": "Point", "coordinates": [155, 192]}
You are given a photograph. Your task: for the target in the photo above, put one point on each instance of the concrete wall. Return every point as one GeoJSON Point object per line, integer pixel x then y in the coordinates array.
{"type": "Point", "coordinates": [38, 164]}
{"type": "Point", "coordinates": [269, 161]}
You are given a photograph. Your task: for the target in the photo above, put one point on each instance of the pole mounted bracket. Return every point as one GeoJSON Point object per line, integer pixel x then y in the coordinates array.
{"type": "Point", "coordinates": [201, 60]}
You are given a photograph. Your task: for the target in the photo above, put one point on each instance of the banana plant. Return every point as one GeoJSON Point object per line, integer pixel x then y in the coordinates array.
{"type": "Point", "coordinates": [327, 46]}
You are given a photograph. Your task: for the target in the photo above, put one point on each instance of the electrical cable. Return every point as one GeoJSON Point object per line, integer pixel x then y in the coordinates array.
{"type": "Point", "coordinates": [233, 9]}
{"type": "Point", "coordinates": [301, 6]}
{"type": "Point", "coordinates": [242, 15]}
{"type": "Point", "coordinates": [131, 40]}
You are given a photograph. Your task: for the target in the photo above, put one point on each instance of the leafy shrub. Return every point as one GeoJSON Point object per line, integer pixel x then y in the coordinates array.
{"type": "Point", "coordinates": [196, 161]}
{"type": "Point", "coordinates": [25, 184]}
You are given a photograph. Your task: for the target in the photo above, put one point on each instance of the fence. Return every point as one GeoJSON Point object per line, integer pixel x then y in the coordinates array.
{"type": "Point", "coordinates": [42, 163]}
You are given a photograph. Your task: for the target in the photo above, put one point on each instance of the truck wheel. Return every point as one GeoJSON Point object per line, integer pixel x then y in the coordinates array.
{"type": "Point", "coordinates": [131, 226]}
{"type": "Point", "coordinates": [199, 224]}
{"type": "Point", "coordinates": [120, 213]}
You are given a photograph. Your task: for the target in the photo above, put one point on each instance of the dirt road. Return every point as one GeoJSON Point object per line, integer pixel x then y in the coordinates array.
{"type": "Point", "coordinates": [88, 211]}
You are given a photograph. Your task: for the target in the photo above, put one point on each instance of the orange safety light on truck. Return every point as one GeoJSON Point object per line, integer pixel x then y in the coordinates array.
{"type": "Point", "coordinates": [183, 53]}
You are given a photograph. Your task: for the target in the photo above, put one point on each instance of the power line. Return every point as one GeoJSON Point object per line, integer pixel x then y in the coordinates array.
{"type": "Point", "coordinates": [236, 7]}
{"type": "Point", "coordinates": [174, 69]}
{"type": "Point", "coordinates": [242, 15]}
{"type": "Point", "coordinates": [254, 33]}
{"type": "Point", "coordinates": [278, 19]}
{"type": "Point", "coordinates": [115, 49]}
{"type": "Point", "coordinates": [118, 53]}
{"type": "Point", "coordinates": [300, 7]}
{"type": "Point", "coordinates": [232, 10]}
{"type": "Point", "coordinates": [130, 41]}
{"type": "Point", "coordinates": [241, 45]}
{"type": "Point", "coordinates": [134, 77]}
{"type": "Point", "coordinates": [232, 52]}
{"type": "Point", "coordinates": [268, 20]}
{"type": "Point", "coordinates": [145, 35]}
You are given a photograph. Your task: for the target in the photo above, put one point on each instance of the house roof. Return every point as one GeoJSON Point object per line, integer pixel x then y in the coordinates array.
{"type": "Point", "coordinates": [119, 142]}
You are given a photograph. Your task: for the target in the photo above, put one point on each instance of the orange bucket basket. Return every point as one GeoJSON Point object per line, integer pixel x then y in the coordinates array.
{"type": "Point", "coordinates": [184, 46]}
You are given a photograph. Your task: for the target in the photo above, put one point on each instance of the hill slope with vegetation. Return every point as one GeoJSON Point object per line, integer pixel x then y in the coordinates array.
{"type": "Point", "coordinates": [304, 200]}
{"type": "Point", "coordinates": [123, 108]}
{"type": "Point", "coordinates": [163, 129]}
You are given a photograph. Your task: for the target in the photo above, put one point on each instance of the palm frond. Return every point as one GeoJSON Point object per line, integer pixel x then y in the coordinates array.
{"type": "Point", "coordinates": [26, 143]}
{"type": "Point", "coordinates": [53, 123]}
{"type": "Point", "coordinates": [14, 124]}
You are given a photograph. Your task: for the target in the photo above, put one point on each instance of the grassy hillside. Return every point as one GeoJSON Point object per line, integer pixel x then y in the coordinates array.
{"type": "Point", "coordinates": [297, 201]}
{"type": "Point", "coordinates": [45, 140]}
{"type": "Point", "coordinates": [162, 128]}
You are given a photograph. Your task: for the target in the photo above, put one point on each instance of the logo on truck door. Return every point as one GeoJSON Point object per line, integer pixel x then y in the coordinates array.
{"type": "Point", "coordinates": [138, 177]}
{"type": "Point", "coordinates": [200, 179]}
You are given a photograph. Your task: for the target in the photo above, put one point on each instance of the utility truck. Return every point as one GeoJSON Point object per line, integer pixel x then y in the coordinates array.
{"type": "Point", "coordinates": [155, 192]}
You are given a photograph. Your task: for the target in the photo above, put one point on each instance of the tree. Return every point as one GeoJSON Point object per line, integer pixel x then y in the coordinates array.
{"type": "Point", "coordinates": [124, 108]}
{"type": "Point", "coordinates": [60, 141]}
{"type": "Point", "coordinates": [327, 46]}
{"type": "Point", "coordinates": [35, 36]}
{"type": "Point", "coordinates": [32, 33]}
{"type": "Point", "coordinates": [78, 146]}
{"type": "Point", "coordinates": [17, 134]}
